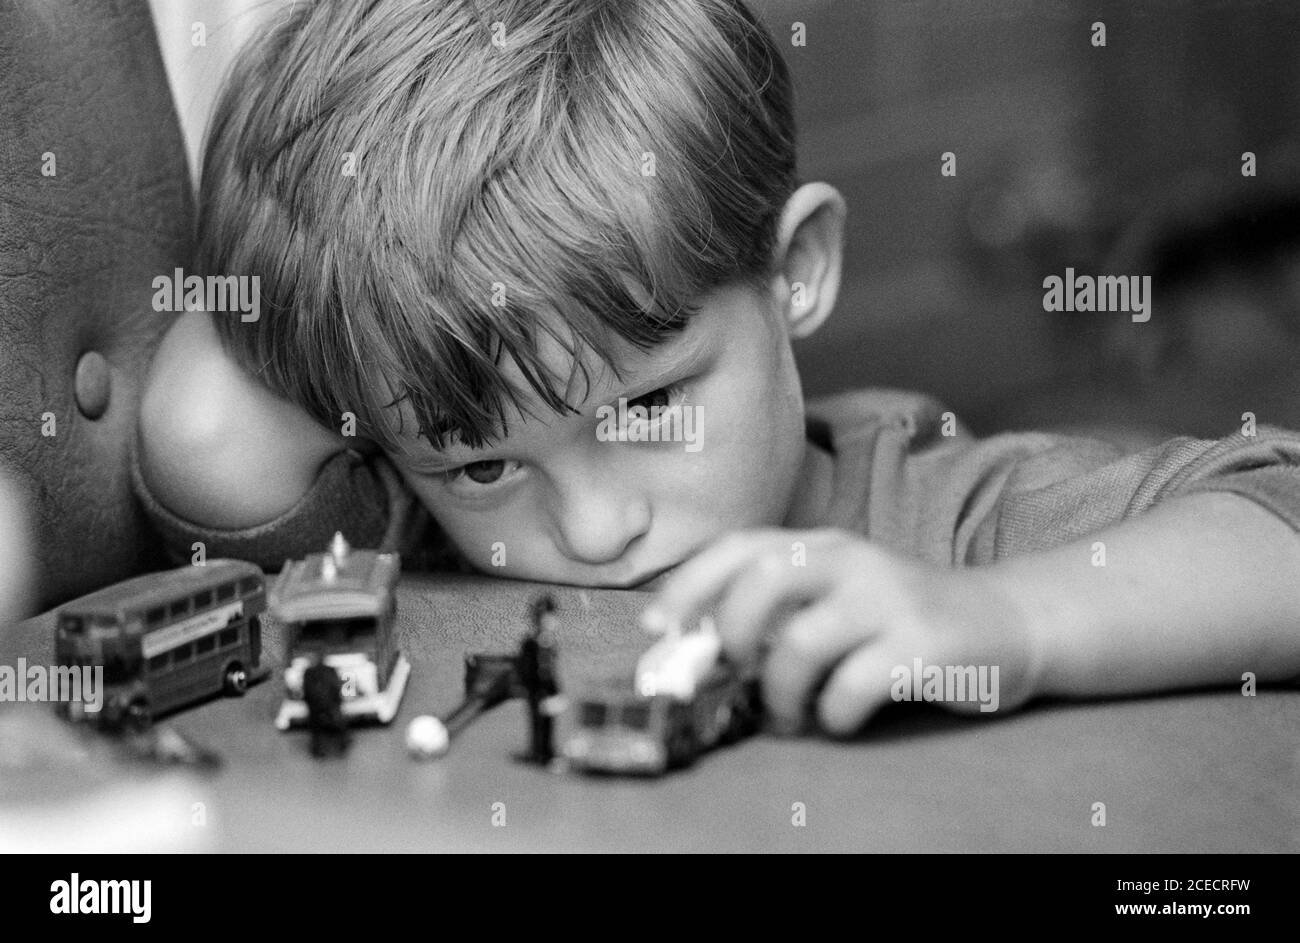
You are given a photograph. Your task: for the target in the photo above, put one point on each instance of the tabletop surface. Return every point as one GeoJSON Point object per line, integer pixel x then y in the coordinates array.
{"type": "Point", "coordinates": [1202, 771]}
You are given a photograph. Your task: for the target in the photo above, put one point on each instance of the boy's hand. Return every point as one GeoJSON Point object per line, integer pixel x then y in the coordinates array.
{"type": "Point", "coordinates": [833, 619]}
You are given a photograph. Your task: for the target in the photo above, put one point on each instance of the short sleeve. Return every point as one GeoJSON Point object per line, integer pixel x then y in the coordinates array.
{"type": "Point", "coordinates": [911, 477]}
{"type": "Point", "coordinates": [1037, 510]}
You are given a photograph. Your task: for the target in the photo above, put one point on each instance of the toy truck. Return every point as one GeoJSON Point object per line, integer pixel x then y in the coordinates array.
{"type": "Point", "coordinates": [683, 699]}
{"type": "Point", "coordinates": [165, 640]}
{"type": "Point", "coordinates": [338, 608]}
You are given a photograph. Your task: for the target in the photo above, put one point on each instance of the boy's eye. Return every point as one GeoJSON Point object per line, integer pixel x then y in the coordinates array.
{"type": "Point", "coordinates": [660, 397]}
{"type": "Point", "coordinates": [483, 473]}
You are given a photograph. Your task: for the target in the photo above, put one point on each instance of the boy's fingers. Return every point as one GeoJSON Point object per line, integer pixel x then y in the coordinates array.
{"type": "Point", "coordinates": [763, 595]}
{"type": "Point", "coordinates": [701, 580]}
{"type": "Point", "coordinates": [802, 653]}
{"type": "Point", "coordinates": [858, 687]}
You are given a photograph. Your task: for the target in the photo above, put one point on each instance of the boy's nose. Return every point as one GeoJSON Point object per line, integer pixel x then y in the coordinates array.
{"type": "Point", "coordinates": [597, 525]}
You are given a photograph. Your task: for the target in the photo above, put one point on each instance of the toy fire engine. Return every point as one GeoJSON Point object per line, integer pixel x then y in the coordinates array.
{"type": "Point", "coordinates": [684, 698]}
{"type": "Point", "coordinates": [338, 610]}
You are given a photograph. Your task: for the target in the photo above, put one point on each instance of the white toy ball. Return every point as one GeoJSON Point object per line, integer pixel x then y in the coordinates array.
{"type": "Point", "coordinates": [426, 737]}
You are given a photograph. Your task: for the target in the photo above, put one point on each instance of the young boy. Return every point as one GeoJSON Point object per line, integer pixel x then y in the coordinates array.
{"type": "Point", "coordinates": [481, 229]}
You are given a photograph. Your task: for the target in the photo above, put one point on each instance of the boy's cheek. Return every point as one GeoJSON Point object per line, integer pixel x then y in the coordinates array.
{"type": "Point", "coordinates": [501, 544]}
{"type": "Point", "coordinates": [742, 489]}
{"type": "Point", "coordinates": [486, 543]}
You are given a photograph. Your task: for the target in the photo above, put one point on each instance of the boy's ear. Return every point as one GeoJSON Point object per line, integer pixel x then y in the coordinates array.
{"type": "Point", "coordinates": [809, 254]}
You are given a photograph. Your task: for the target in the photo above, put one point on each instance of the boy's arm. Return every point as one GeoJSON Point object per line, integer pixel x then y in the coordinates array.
{"type": "Point", "coordinates": [1195, 591]}
{"type": "Point", "coordinates": [1201, 551]}
{"type": "Point", "coordinates": [216, 447]}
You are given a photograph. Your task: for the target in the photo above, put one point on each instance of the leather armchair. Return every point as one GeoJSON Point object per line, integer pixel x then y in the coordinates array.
{"type": "Point", "coordinates": [95, 202]}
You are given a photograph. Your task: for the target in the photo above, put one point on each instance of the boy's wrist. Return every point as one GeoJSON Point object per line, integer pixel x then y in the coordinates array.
{"type": "Point", "coordinates": [1043, 615]}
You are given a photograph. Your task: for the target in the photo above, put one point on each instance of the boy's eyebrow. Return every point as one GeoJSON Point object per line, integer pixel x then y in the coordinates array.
{"type": "Point", "coordinates": [435, 466]}
{"type": "Point", "coordinates": [683, 362]}
{"type": "Point", "coordinates": [692, 353]}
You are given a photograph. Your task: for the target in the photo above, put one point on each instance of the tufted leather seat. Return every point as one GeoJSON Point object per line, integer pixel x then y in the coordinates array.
{"type": "Point", "coordinates": [94, 203]}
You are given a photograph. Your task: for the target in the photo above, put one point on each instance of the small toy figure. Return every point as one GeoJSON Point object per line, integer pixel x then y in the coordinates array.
{"type": "Point", "coordinates": [684, 698]}
{"type": "Point", "coordinates": [541, 685]}
{"type": "Point", "coordinates": [338, 609]}
{"type": "Point", "coordinates": [491, 679]}
{"type": "Point", "coordinates": [165, 640]}
{"type": "Point", "coordinates": [322, 689]}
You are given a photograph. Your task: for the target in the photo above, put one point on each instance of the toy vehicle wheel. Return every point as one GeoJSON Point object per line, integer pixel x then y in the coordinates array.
{"type": "Point", "coordinates": [136, 717]}
{"type": "Point", "coordinates": [682, 749]}
{"type": "Point", "coordinates": [723, 721]}
{"type": "Point", "coordinates": [740, 723]}
{"type": "Point", "coordinates": [745, 715]}
{"type": "Point", "coordinates": [236, 681]}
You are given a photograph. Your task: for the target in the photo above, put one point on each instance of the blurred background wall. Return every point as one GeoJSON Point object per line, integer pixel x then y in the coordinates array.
{"type": "Point", "coordinates": [1124, 159]}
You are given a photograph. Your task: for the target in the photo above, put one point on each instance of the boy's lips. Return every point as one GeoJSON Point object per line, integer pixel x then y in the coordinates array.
{"type": "Point", "coordinates": [649, 579]}
{"type": "Point", "coordinates": [655, 578]}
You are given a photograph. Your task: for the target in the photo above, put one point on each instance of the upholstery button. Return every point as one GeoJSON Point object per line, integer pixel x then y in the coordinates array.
{"type": "Point", "coordinates": [93, 385]}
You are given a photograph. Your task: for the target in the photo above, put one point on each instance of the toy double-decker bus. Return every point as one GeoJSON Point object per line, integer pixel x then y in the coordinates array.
{"type": "Point", "coordinates": [165, 640]}
{"type": "Point", "coordinates": [683, 699]}
{"type": "Point", "coordinates": [338, 607]}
